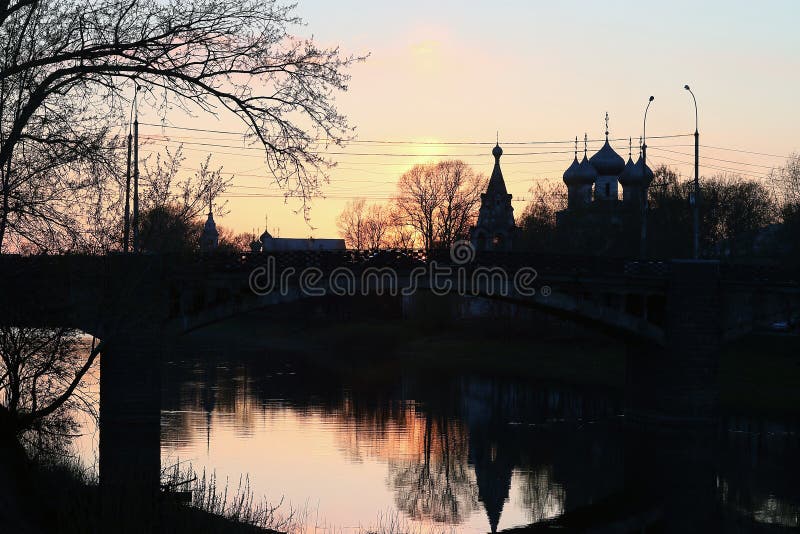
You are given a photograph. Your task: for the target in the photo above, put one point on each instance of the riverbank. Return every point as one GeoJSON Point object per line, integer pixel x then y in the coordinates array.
{"type": "Point", "coordinates": [759, 374]}
{"type": "Point", "coordinates": [58, 496]}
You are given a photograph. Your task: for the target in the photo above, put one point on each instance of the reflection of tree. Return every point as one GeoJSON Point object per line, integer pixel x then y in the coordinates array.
{"type": "Point", "coordinates": [436, 483]}
{"type": "Point", "coordinates": [541, 495]}
{"type": "Point", "coordinates": [450, 451]}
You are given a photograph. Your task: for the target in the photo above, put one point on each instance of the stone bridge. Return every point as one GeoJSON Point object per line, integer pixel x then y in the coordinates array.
{"type": "Point", "coordinates": [633, 299]}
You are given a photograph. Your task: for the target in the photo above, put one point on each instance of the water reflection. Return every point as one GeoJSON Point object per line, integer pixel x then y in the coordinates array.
{"type": "Point", "coordinates": [471, 452]}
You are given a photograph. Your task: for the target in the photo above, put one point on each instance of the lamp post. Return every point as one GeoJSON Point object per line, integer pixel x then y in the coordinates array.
{"type": "Point", "coordinates": [696, 195]}
{"type": "Point", "coordinates": [643, 240]}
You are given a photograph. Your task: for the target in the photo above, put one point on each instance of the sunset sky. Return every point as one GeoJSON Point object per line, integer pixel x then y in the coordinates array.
{"type": "Point", "coordinates": [534, 71]}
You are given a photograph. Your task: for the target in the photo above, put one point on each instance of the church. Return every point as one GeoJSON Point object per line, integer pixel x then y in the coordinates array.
{"type": "Point", "coordinates": [495, 229]}
{"type": "Point", "coordinates": [597, 219]}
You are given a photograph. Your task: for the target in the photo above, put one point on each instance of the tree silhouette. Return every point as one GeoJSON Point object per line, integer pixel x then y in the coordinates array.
{"type": "Point", "coordinates": [439, 201]}
{"type": "Point", "coordinates": [69, 69]}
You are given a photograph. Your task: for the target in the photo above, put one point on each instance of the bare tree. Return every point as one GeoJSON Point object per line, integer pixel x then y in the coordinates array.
{"type": "Point", "coordinates": [439, 201]}
{"type": "Point", "coordinates": [42, 375]}
{"type": "Point", "coordinates": [785, 181]}
{"type": "Point", "coordinates": [417, 201]}
{"type": "Point", "coordinates": [352, 224]}
{"type": "Point", "coordinates": [376, 226]}
{"type": "Point", "coordinates": [400, 236]}
{"type": "Point", "coordinates": [538, 219]}
{"type": "Point", "coordinates": [68, 71]}
{"type": "Point", "coordinates": [190, 195]}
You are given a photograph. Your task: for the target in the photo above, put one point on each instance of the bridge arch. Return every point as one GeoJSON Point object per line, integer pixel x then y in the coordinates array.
{"type": "Point", "coordinates": [589, 313]}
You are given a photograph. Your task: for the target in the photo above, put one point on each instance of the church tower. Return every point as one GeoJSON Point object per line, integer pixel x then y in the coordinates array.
{"type": "Point", "coordinates": [209, 238]}
{"type": "Point", "coordinates": [495, 228]}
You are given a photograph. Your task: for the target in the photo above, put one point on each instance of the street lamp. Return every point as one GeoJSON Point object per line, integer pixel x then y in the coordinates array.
{"type": "Point", "coordinates": [643, 239]}
{"type": "Point", "coordinates": [696, 196]}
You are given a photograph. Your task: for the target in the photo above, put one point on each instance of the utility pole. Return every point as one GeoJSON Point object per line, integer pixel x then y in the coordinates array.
{"type": "Point", "coordinates": [695, 201]}
{"type": "Point", "coordinates": [643, 239]}
{"type": "Point", "coordinates": [127, 220]}
{"type": "Point", "coordinates": [136, 177]}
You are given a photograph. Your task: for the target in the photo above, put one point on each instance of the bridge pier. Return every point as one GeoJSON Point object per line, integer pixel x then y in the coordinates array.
{"type": "Point", "coordinates": [130, 433]}
{"type": "Point", "coordinates": [677, 382]}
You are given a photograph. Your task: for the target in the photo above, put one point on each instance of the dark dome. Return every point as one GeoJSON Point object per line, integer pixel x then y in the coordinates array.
{"type": "Point", "coordinates": [571, 172]}
{"type": "Point", "coordinates": [607, 161]}
{"type": "Point", "coordinates": [586, 172]}
{"type": "Point", "coordinates": [644, 172]}
{"type": "Point", "coordinates": [648, 176]}
{"type": "Point", "coordinates": [497, 151]}
{"type": "Point", "coordinates": [629, 176]}
{"type": "Point", "coordinates": [639, 174]}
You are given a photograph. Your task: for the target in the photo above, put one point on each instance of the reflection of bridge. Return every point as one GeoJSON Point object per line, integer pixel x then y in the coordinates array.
{"type": "Point", "coordinates": [675, 316]}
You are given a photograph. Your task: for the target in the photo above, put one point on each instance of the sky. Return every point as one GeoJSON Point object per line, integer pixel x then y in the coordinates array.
{"type": "Point", "coordinates": [469, 71]}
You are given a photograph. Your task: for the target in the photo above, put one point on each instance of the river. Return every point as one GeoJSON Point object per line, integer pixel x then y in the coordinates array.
{"type": "Point", "coordinates": [455, 452]}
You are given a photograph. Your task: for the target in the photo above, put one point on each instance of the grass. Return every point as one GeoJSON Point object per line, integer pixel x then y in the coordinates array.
{"type": "Point", "coordinates": [240, 507]}
{"type": "Point", "coordinates": [69, 501]}
{"type": "Point", "coordinates": [65, 497]}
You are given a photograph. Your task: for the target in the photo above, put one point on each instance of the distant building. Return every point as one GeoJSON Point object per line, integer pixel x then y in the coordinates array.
{"type": "Point", "coordinates": [495, 229]}
{"type": "Point", "coordinates": [209, 238]}
{"type": "Point", "coordinates": [276, 244]}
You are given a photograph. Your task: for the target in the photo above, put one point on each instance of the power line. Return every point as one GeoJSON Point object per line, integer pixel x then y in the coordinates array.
{"type": "Point", "coordinates": [745, 151]}
{"type": "Point", "coordinates": [716, 159]}
{"type": "Point", "coordinates": [718, 168]}
{"type": "Point", "coordinates": [369, 154]}
{"type": "Point", "coordinates": [389, 141]}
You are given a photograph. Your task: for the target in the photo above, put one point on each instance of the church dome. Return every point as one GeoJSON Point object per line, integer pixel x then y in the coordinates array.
{"type": "Point", "coordinates": [629, 176]}
{"type": "Point", "coordinates": [265, 235]}
{"type": "Point", "coordinates": [607, 161]}
{"type": "Point", "coordinates": [643, 172]}
{"type": "Point", "coordinates": [497, 151]}
{"type": "Point", "coordinates": [570, 175]}
{"type": "Point", "coordinates": [586, 173]}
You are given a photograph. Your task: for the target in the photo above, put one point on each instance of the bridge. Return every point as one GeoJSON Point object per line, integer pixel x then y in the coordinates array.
{"type": "Point", "coordinates": [673, 315]}
{"type": "Point", "coordinates": [630, 298]}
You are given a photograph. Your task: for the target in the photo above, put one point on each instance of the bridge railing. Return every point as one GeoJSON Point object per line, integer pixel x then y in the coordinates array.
{"type": "Point", "coordinates": [358, 260]}
{"type": "Point", "coordinates": [327, 260]}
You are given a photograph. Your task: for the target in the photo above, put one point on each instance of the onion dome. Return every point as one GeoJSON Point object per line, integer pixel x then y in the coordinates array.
{"type": "Point", "coordinates": [265, 235]}
{"type": "Point", "coordinates": [607, 161]}
{"type": "Point", "coordinates": [648, 175]}
{"type": "Point", "coordinates": [570, 174]}
{"type": "Point", "coordinates": [497, 151]}
{"type": "Point", "coordinates": [628, 176]}
{"type": "Point", "coordinates": [639, 174]}
{"type": "Point", "coordinates": [586, 173]}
